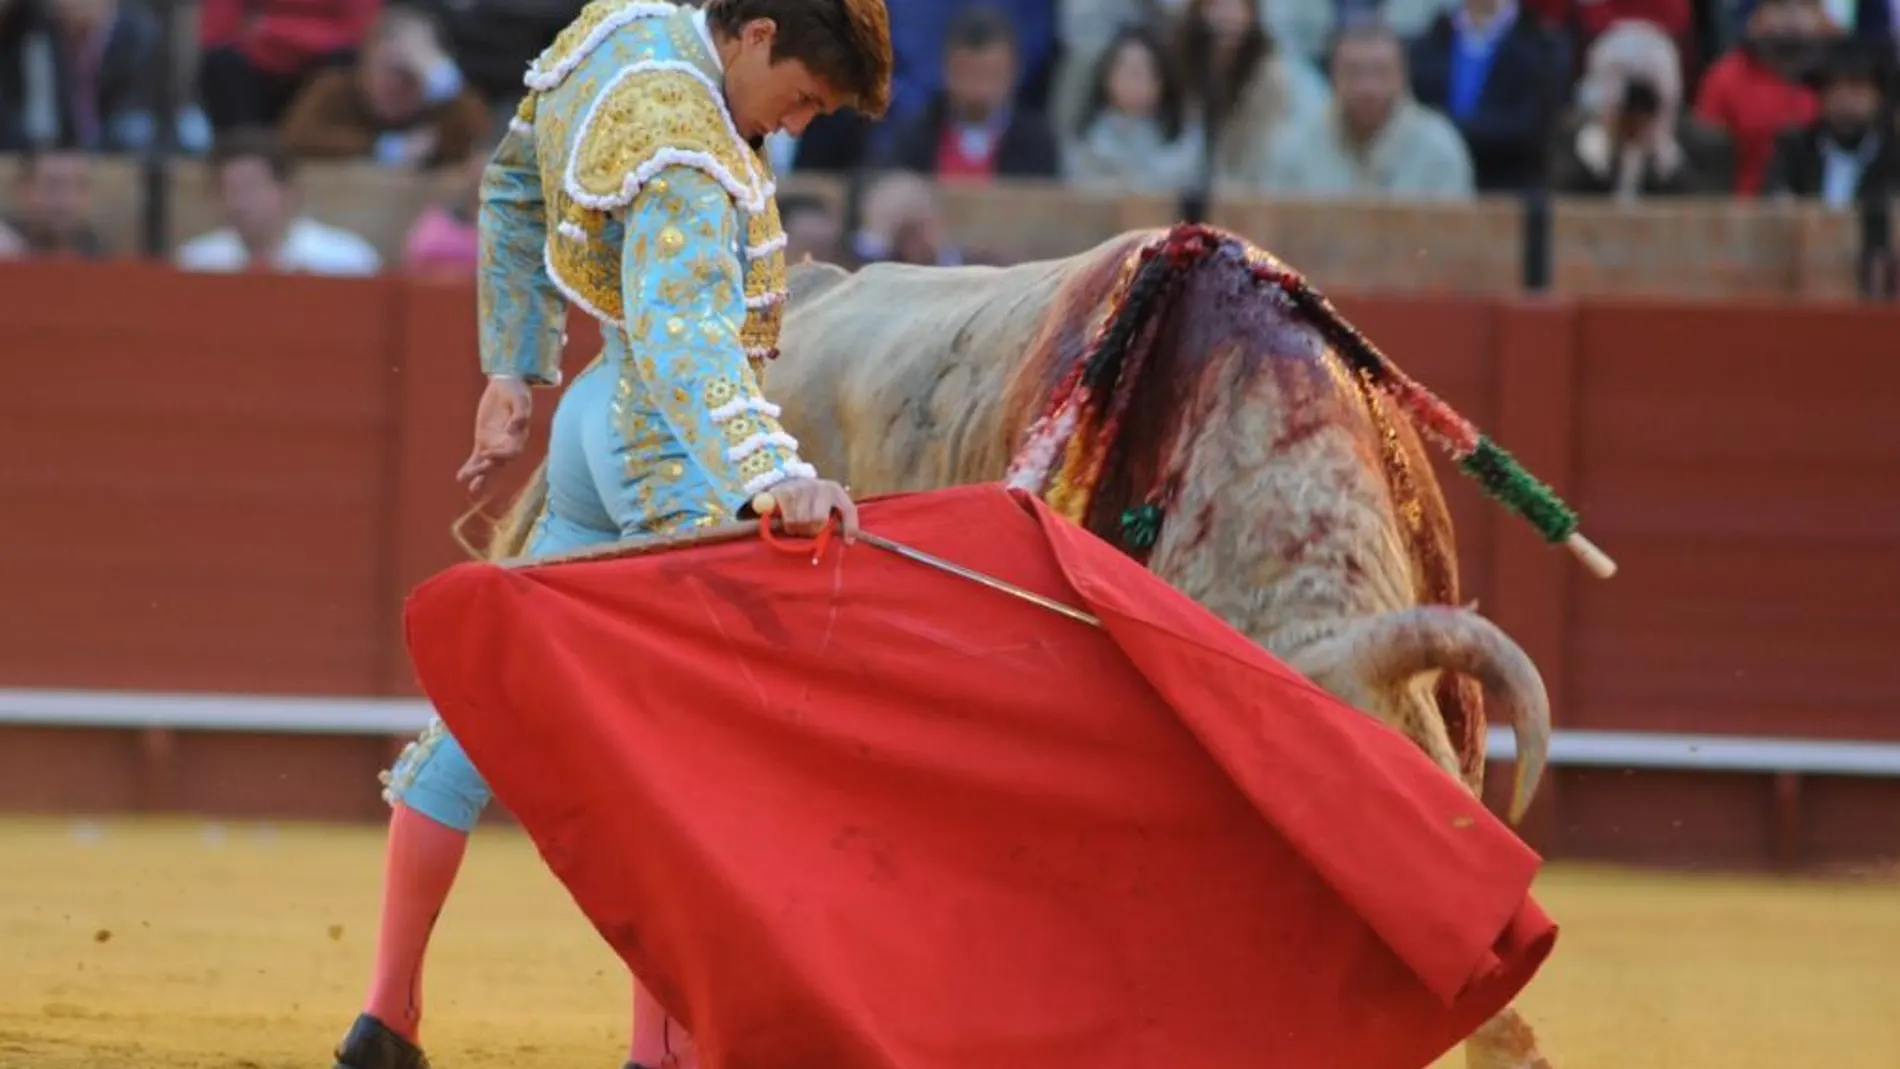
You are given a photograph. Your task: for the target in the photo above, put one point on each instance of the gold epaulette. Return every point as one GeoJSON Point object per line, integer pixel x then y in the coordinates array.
{"type": "Point", "coordinates": [653, 115]}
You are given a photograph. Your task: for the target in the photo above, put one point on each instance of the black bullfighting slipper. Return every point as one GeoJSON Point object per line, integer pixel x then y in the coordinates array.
{"type": "Point", "coordinates": [371, 1045]}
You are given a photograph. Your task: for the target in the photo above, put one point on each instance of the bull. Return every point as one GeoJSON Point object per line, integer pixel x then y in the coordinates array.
{"type": "Point", "coordinates": [1232, 447]}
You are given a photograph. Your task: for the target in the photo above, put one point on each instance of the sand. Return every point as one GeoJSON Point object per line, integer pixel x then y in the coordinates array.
{"type": "Point", "coordinates": [185, 945]}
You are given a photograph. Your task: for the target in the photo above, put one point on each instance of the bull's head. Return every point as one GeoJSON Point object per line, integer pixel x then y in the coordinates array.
{"type": "Point", "coordinates": [1302, 508]}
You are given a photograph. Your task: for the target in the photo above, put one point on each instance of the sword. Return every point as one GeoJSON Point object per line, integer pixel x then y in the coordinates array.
{"type": "Point", "coordinates": [974, 576]}
{"type": "Point", "coordinates": [764, 505]}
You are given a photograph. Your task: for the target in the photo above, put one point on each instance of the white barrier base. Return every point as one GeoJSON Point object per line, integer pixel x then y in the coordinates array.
{"type": "Point", "coordinates": [273, 714]}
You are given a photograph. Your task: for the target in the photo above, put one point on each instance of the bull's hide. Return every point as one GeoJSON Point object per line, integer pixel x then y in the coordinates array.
{"type": "Point", "coordinates": [1304, 510]}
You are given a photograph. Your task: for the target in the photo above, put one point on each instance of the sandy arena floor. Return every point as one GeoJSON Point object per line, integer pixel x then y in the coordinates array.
{"type": "Point", "coordinates": [181, 945]}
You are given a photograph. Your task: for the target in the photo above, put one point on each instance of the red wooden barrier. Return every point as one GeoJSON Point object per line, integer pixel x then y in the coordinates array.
{"type": "Point", "coordinates": [230, 483]}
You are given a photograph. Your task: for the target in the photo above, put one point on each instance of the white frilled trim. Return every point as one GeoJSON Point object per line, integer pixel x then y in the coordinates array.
{"type": "Point", "coordinates": [760, 352]}
{"type": "Point", "coordinates": [741, 405]}
{"type": "Point", "coordinates": [543, 80]}
{"type": "Point", "coordinates": [573, 297]}
{"type": "Point", "coordinates": [571, 232]}
{"type": "Point", "coordinates": [797, 469]}
{"type": "Point", "coordinates": [760, 441]}
{"type": "Point", "coordinates": [766, 300]}
{"type": "Point", "coordinates": [760, 252]}
{"type": "Point", "coordinates": [518, 126]}
{"type": "Point", "coordinates": [751, 193]}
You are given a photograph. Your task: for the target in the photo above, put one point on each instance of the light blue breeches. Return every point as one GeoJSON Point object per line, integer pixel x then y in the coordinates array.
{"type": "Point", "coordinates": [591, 494]}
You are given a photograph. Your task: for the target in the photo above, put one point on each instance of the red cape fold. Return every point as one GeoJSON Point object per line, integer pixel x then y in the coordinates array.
{"type": "Point", "coordinates": [870, 815]}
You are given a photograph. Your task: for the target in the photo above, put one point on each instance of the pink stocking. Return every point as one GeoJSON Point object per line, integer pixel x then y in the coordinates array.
{"type": "Point", "coordinates": [420, 868]}
{"type": "Point", "coordinates": [655, 1035]}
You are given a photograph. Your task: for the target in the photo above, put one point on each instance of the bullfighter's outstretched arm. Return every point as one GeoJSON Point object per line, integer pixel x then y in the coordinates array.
{"type": "Point", "coordinates": [523, 316]}
{"type": "Point", "coordinates": [684, 292]}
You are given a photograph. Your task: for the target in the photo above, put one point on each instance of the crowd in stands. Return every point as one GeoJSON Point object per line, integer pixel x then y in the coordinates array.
{"type": "Point", "coordinates": [1440, 100]}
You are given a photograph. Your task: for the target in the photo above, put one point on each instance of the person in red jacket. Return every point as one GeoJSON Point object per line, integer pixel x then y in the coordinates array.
{"type": "Point", "coordinates": [1757, 91]}
{"type": "Point", "coordinates": [256, 54]}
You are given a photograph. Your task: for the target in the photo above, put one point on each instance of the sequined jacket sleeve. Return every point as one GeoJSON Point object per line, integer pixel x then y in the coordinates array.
{"type": "Point", "coordinates": [684, 294]}
{"type": "Point", "coordinates": [522, 315]}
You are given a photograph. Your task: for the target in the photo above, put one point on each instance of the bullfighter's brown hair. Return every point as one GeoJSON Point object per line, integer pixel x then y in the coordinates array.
{"type": "Point", "coordinates": [845, 43]}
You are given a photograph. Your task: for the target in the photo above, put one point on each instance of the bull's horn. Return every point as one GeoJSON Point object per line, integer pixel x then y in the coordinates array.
{"type": "Point", "coordinates": [1385, 651]}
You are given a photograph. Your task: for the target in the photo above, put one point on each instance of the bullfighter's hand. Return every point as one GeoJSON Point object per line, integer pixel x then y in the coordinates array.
{"type": "Point", "coordinates": [501, 431]}
{"type": "Point", "coordinates": [805, 506]}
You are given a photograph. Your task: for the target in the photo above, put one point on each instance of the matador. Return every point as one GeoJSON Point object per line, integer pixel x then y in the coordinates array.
{"type": "Point", "coordinates": [630, 184]}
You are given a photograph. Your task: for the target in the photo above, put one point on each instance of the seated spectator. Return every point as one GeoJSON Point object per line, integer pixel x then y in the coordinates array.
{"type": "Point", "coordinates": [264, 231]}
{"type": "Point", "coordinates": [900, 221]}
{"type": "Point", "coordinates": [1631, 139]}
{"type": "Point", "coordinates": [1133, 132]}
{"type": "Point", "coordinates": [1501, 77]}
{"type": "Point", "coordinates": [1239, 89]}
{"type": "Point", "coordinates": [1086, 29]}
{"type": "Point", "coordinates": [402, 104]}
{"type": "Point", "coordinates": [445, 239]}
{"type": "Point", "coordinates": [52, 207]}
{"type": "Point", "coordinates": [1374, 140]}
{"type": "Point", "coordinates": [812, 230]}
{"type": "Point", "coordinates": [78, 72]}
{"type": "Point", "coordinates": [1848, 154]}
{"type": "Point", "coordinates": [919, 29]}
{"type": "Point", "coordinates": [256, 54]}
{"type": "Point", "coordinates": [972, 131]}
{"type": "Point", "coordinates": [1586, 20]}
{"type": "Point", "coordinates": [1757, 91]}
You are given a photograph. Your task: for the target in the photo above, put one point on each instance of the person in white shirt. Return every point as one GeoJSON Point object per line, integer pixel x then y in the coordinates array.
{"type": "Point", "coordinates": [263, 229]}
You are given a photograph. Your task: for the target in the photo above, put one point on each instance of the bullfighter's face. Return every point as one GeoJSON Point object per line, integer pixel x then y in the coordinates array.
{"type": "Point", "coordinates": [766, 96]}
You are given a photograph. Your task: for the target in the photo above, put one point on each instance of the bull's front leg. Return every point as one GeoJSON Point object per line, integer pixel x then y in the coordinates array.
{"type": "Point", "coordinates": [1506, 1041]}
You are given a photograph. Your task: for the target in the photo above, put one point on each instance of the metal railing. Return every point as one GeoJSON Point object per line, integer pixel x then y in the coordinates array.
{"type": "Point", "coordinates": [284, 715]}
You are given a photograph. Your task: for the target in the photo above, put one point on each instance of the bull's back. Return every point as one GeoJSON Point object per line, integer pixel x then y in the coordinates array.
{"type": "Point", "coordinates": [897, 377]}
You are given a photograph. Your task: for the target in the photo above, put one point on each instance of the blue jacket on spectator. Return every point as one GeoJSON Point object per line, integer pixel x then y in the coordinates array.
{"type": "Point", "coordinates": [917, 32]}
{"type": "Point", "coordinates": [1504, 92]}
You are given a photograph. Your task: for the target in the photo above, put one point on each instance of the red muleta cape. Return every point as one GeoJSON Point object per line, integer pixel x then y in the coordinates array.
{"type": "Point", "coordinates": [870, 815]}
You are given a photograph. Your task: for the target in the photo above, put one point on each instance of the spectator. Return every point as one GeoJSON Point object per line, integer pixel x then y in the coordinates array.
{"type": "Point", "coordinates": [1586, 20]}
{"type": "Point", "coordinates": [1631, 139]}
{"type": "Point", "coordinates": [812, 230]}
{"type": "Point", "coordinates": [1502, 79]}
{"type": "Point", "coordinates": [972, 131]}
{"type": "Point", "coordinates": [78, 72]}
{"type": "Point", "coordinates": [257, 192]}
{"type": "Point", "coordinates": [52, 206]}
{"type": "Point", "coordinates": [1848, 154]}
{"type": "Point", "coordinates": [1086, 28]}
{"type": "Point", "coordinates": [403, 104]}
{"type": "Point", "coordinates": [1756, 92]}
{"type": "Point", "coordinates": [901, 221]}
{"type": "Point", "coordinates": [919, 29]}
{"type": "Point", "coordinates": [444, 240]}
{"type": "Point", "coordinates": [1240, 91]}
{"type": "Point", "coordinates": [1374, 140]}
{"type": "Point", "coordinates": [1133, 133]}
{"type": "Point", "coordinates": [256, 54]}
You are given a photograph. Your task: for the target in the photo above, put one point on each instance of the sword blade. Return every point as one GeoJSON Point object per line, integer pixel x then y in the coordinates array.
{"type": "Point", "coordinates": [974, 576]}
{"type": "Point", "coordinates": [638, 547]}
